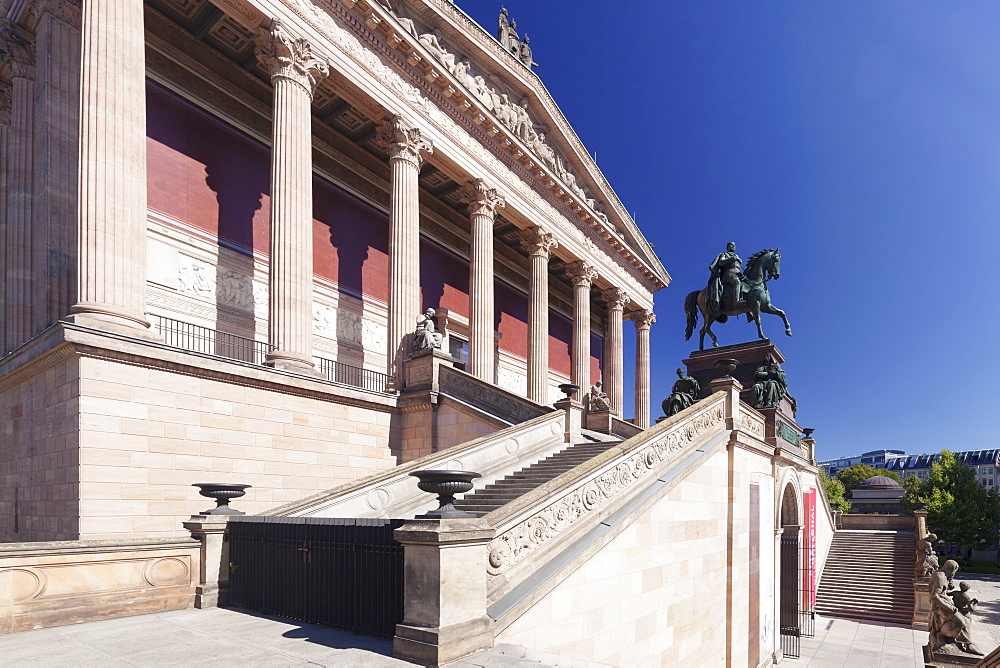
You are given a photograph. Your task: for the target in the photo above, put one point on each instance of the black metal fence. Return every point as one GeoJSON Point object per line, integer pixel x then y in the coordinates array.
{"type": "Point", "coordinates": [790, 622]}
{"type": "Point", "coordinates": [233, 346]}
{"type": "Point", "coordinates": [206, 340]}
{"type": "Point", "coordinates": [366, 379]}
{"type": "Point", "coordinates": [344, 573]}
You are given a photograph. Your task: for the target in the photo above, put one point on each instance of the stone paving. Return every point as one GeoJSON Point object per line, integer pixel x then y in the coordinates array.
{"type": "Point", "coordinates": [845, 643]}
{"type": "Point", "coordinates": [227, 637]}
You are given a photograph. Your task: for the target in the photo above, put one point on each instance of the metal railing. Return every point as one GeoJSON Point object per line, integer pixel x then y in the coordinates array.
{"type": "Point", "coordinates": [344, 573]}
{"type": "Point", "coordinates": [206, 340]}
{"type": "Point", "coordinates": [233, 346]}
{"type": "Point", "coordinates": [345, 374]}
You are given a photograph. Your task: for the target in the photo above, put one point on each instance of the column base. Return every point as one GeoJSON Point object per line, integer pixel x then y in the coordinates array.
{"type": "Point", "coordinates": [291, 362]}
{"type": "Point", "coordinates": [100, 316]}
{"type": "Point", "coordinates": [433, 646]}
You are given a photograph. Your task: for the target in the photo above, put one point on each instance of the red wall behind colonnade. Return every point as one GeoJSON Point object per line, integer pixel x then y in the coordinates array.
{"type": "Point", "coordinates": [211, 176]}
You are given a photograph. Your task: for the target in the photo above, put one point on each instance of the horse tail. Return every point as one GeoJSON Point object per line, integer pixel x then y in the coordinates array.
{"type": "Point", "coordinates": [691, 309]}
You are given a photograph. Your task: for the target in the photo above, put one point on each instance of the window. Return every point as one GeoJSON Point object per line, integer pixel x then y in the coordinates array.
{"type": "Point", "coordinates": [458, 349]}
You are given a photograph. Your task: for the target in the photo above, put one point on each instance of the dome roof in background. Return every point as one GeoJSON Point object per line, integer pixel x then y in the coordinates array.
{"type": "Point", "coordinates": [880, 482]}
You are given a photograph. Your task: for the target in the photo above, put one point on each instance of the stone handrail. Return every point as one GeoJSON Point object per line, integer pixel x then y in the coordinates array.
{"type": "Point", "coordinates": [624, 429]}
{"type": "Point", "coordinates": [394, 494]}
{"type": "Point", "coordinates": [487, 397]}
{"type": "Point", "coordinates": [581, 497]}
{"type": "Point", "coordinates": [878, 522]}
{"type": "Point", "coordinates": [753, 421]}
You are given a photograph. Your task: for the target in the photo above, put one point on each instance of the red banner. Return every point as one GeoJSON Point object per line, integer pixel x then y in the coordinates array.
{"type": "Point", "coordinates": [810, 545]}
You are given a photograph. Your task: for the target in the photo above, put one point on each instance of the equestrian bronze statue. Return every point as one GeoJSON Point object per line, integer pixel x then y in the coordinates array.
{"type": "Point", "coordinates": [731, 291]}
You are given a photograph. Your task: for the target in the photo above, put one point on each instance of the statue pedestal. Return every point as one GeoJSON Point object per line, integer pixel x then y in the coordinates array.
{"type": "Point", "coordinates": [921, 603]}
{"type": "Point", "coordinates": [781, 429]}
{"type": "Point", "coordinates": [599, 421]}
{"type": "Point", "coordinates": [949, 655]}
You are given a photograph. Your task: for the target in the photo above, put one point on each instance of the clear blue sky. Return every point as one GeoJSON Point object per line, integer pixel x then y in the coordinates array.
{"type": "Point", "coordinates": [863, 138]}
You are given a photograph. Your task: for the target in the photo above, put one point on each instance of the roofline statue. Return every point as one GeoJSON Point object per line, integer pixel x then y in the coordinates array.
{"type": "Point", "coordinates": [730, 291]}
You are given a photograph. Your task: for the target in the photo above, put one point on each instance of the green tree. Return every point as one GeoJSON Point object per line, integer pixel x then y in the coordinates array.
{"type": "Point", "coordinates": [959, 510]}
{"type": "Point", "coordinates": [834, 492]}
{"type": "Point", "coordinates": [854, 475]}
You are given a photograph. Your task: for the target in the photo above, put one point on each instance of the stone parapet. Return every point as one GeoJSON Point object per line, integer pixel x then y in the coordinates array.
{"type": "Point", "coordinates": [66, 582]}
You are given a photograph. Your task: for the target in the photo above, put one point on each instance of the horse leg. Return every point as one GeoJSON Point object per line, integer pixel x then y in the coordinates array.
{"type": "Point", "coordinates": [708, 329]}
{"type": "Point", "coordinates": [760, 329]}
{"type": "Point", "coordinates": [774, 310]}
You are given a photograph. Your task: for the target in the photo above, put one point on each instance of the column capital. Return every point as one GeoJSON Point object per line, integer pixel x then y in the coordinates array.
{"type": "Point", "coordinates": [615, 298]}
{"type": "Point", "coordinates": [404, 141]}
{"type": "Point", "coordinates": [290, 58]}
{"type": "Point", "coordinates": [482, 198]}
{"type": "Point", "coordinates": [581, 273]}
{"type": "Point", "coordinates": [538, 242]}
{"type": "Point", "coordinates": [65, 10]}
{"type": "Point", "coordinates": [17, 48]}
{"type": "Point", "coordinates": [644, 318]}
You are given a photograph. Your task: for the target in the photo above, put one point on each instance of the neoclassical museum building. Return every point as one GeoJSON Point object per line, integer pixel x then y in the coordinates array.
{"type": "Point", "coordinates": [222, 222]}
{"type": "Point", "coordinates": [315, 247]}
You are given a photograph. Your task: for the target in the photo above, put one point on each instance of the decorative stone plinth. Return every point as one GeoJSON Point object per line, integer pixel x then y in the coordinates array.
{"type": "Point", "coordinates": [950, 655]}
{"type": "Point", "coordinates": [921, 603]}
{"type": "Point", "coordinates": [574, 419]}
{"type": "Point", "coordinates": [422, 370]}
{"type": "Point", "coordinates": [444, 590]}
{"type": "Point", "coordinates": [599, 421]}
{"type": "Point", "coordinates": [214, 571]}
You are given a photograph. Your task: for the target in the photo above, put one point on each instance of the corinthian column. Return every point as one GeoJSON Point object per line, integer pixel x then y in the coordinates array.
{"type": "Point", "coordinates": [643, 321]}
{"type": "Point", "coordinates": [483, 202]}
{"type": "Point", "coordinates": [582, 275]}
{"type": "Point", "coordinates": [111, 211]}
{"type": "Point", "coordinates": [539, 244]}
{"type": "Point", "coordinates": [614, 351]}
{"type": "Point", "coordinates": [18, 51]}
{"type": "Point", "coordinates": [6, 109]}
{"type": "Point", "coordinates": [406, 146]}
{"type": "Point", "coordinates": [295, 72]}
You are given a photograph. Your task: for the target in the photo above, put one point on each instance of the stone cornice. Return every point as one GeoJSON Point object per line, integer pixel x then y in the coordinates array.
{"type": "Point", "coordinates": [64, 340]}
{"type": "Point", "coordinates": [448, 14]}
{"type": "Point", "coordinates": [372, 43]}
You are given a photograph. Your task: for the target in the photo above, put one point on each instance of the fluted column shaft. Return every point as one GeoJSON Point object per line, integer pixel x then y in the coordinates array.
{"type": "Point", "coordinates": [483, 202]}
{"type": "Point", "coordinates": [583, 276]}
{"type": "Point", "coordinates": [111, 216]}
{"type": "Point", "coordinates": [6, 102]}
{"type": "Point", "coordinates": [294, 74]}
{"type": "Point", "coordinates": [614, 350]}
{"type": "Point", "coordinates": [406, 146]}
{"type": "Point", "coordinates": [539, 244]}
{"type": "Point", "coordinates": [16, 48]}
{"type": "Point", "coordinates": [643, 322]}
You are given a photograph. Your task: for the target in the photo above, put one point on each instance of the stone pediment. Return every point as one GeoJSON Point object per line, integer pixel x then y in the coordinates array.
{"type": "Point", "coordinates": [503, 95]}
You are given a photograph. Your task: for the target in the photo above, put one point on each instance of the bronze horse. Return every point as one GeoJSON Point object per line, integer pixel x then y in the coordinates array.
{"type": "Point", "coordinates": [761, 267]}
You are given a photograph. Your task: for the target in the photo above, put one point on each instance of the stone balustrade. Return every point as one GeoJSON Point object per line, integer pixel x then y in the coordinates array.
{"type": "Point", "coordinates": [394, 494]}
{"type": "Point", "coordinates": [66, 582]}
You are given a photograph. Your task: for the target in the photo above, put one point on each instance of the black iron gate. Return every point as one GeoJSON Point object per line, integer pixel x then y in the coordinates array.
{"type": "Point", "coordinates": [344, 573]}
{"type": "Point", "coordinates": [790, 622]}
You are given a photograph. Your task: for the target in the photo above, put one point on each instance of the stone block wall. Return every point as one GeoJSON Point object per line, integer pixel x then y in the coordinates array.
{"type": "Point", "coordinates": [431, 430]}
{"type": "Point", "coordinates": [146, 435]}
{"type": "Point", "coordinates": [657, 590]}
{"type": "Point", "coordinates": [39, 454]}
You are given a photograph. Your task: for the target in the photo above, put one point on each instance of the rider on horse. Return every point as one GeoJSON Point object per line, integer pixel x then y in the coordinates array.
{"type": "Point", "coordinates": [726, 280]}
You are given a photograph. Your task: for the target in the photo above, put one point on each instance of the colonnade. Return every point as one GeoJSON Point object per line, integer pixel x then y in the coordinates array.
{"type": "Point", "coordinates": [111, 266]}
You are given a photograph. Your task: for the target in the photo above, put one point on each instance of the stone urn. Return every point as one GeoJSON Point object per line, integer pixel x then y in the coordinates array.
{"type": "Point", "coordinates": [446, 484]}
{"type": "Point", "coordinates": [222, 492]}
{"type": "Point", "coordinates": [569, 389]}
{"type": "Point", "coordinates": [726, 367]}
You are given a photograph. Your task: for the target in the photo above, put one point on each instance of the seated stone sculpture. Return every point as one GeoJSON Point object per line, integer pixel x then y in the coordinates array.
{"type": "Point", "coordinates": [598, 399]}
{"type": "Point", "coordinates": [947, 622]}
{"type": "Point", "coordinates": [425, 337]}
{"type": "Point", "coordinates": [927, 561]}
{"type": "Point", "coordinates": [682, 395]}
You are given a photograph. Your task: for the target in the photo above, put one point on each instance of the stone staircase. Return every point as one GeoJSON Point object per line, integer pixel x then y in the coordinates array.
{"type": "Point", "coordinates": [519, 483]}
{"type": "Point", "coordinates": [869, 575]}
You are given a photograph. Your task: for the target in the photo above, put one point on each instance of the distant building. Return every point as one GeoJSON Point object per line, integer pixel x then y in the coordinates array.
{"type": "Point", "coordinates": [876, 458]}
{"type": "Point", "coordinates": [984, 462]}
{"type": "Point", "coordinates": [878, 494]}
